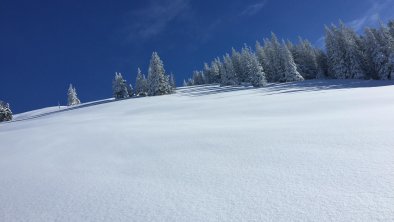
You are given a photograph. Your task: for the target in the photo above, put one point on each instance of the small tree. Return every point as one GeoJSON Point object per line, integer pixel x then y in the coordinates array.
{"type": "Point", "coordinates": [72, 96]}
{"type": "Point", "coordinates": [119, 87]}
{"type": "Point", "coordinates": [140, 84]}
{"type": "Point", "coordinates": [5, 112]}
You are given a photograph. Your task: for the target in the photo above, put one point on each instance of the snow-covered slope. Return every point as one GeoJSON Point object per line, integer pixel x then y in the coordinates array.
{"type": "Point", "coordinates": [309, 151]}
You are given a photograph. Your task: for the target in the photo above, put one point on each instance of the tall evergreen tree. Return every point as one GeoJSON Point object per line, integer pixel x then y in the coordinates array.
{"type": "Point", "coordinates": [141, 87]}
{"type": "Point", "coordinates": [305, 57]}
{"type": "Point", "coordinates": [344, 53]}
{"type": "Point", "coordinates": [158, 82]}
{"type": "Point", "coordinates": [198, 78]}
{"type": "Point", "coordinates": [236, 60]}
{"type": "Point", "coordinates": [289, 69]}
{"type": "Point", "coordinates": [228, 77]}
{"type": "Point", "coordinates": [72, 98]}
{"type": "Point", "coordinates": [119, 87]}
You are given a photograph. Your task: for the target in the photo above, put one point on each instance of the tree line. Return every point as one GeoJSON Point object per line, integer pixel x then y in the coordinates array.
{"type": "Point", "coordinates": [347, 55]}
{"type": "Point", "coordinates": [157, 83]}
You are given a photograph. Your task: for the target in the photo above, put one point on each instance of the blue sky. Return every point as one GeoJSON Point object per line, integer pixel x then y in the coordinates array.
{"type": "Point", "coordinates": [45, 45]}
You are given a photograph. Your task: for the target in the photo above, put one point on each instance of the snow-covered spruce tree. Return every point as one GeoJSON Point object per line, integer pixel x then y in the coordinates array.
{"type": "Point", "coordinates": [345, 57]}
{"type": "Point", "coordinates": [190, 82]}
{"type": "Point", "coordinates": [72, 97]}
{"type": "Point", "coordinates": [141, 88]}
{"type": "Point", "coordinates": [130, 90]}
{"type": "Point", "coordinates": [5, 112]}
{"type": "Point", "coordinates": [245, 74]}
{"type": "Point", "coordinates": [198, 77]}
{"type": "Point", "coordinates": [206, 73]}
{"type": "Point", "coordinates": [262, 57]}
{"type": "Point", "coordinates": [158, 82]}
{"type": "Point", "coordinates": [289, 68]}
{"type": "Point", "coordinates": [184, 83]}
{"type": "Point", "coordinates": [273, 63]}
{"type": "Point", "coordinates": [335, 53]}
{"type": "Point", "coordinates": [253, 71]}
{"type": "Point", "coordinates": [119, 87]}
{"type": "Point", "coordinates": [228, 76]}
{"type": "Point", "coordinates": [379, 47]}
{"type": "Point", "coordinates": [214, 76]}
{"type": "Point", "coordinates": [321, 59]}
{"type": "Point", "coordinates": [236, 60]}
{"type": "Point", "coordinates": [305, 57]}
{"type": "Point", "coordinates": [257, 75]}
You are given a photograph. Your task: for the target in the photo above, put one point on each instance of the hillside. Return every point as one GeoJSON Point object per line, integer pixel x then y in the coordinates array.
{"type": "Point", "coordinates": [304, 151]}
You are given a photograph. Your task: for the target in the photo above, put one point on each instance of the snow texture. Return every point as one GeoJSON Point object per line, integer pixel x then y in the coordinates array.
{"type": "Point", "coordinates": [301, 151]}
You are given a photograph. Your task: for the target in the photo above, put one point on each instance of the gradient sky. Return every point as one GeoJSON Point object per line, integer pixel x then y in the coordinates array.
{"type": "Point", "coordinates": [46, 45]}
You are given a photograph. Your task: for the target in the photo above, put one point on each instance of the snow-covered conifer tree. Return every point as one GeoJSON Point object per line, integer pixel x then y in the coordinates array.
{"type": "Point", "coordinates": [5, 112]}
{"type": "Point", "coordinates": [72, 96]}
{"type": "Point", "coordinates": [344, 53]}
{"type": "Point", "coordinates": [236, 60]}
{"type": "Point", "coordinates": [119, 87]}
{"type": "Point", "coordinates": [252, 69]}
{"type": "Point", "coordinates": [184, 83]}
{"type": "Point", "coordinates": [305, 57]}
{"type": "Point", "coordinates": [228, 76]}
{"type": "Point", "coordinates": [289, 68]}
{"type": "Point", "coordinates": [379, 46]}
{"type": "Point", "coordinates": [206, 73]}
{"type": "Point", "coordinates": [130, 90]}
{"type": "Point", "coordinates": [158, 82]}
{"type": "Point", "coordinates": [198, 77]}
{"type": "Point", "coordinates": [141, 88]}
{"type": "Point", "coordinates": [215, 71]}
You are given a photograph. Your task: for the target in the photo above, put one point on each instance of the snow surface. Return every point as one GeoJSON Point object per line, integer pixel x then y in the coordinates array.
{"type": "Point", "coordinates": [308, 151]}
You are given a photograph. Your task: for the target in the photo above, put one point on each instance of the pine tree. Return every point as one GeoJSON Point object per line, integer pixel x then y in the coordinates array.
{"type": "Point", "coordinates": [257, 76]}
{"type": "Point", "coordinates": [305, 57]}
{"type": "Point", "coordinates": [252, 69]}
{"type": "Point", "coordinates": [228, 76]}
{"type": "Point", "coordinates": [119, 87]}
{"type": "Point", "coordinates": [236, 60]}
{"type": "Point", "coordinates": [198, 78]}
{"type": "Point", "coordinates": [345, 57]}
{"type": "Point", "coordinates": [130, 90]}
{"type": "Point", "coordinates": [158, 82]}
{"type": "Point", "coordinates": [379, 45]}
{"type": "Point", "coordinates": [72, 96]}
{"type": "Point", "coordinates": [140, 84]}
{"type": "Point", "coordinates": [5, 112]}
{"type": "Point", "coordinates": [290, 73]}
{"type": "Point", "coordinates": [184, 83]}
{"type": "Point", "coordinates": [214, 71]}
{"type": "Point", "coordinates": [322, 64]}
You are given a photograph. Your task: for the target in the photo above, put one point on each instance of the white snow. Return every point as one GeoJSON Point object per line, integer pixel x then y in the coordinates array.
{"type": "Point", "coordinates": [306, 151]}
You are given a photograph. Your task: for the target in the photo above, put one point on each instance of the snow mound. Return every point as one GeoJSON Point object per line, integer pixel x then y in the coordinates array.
{"type": "Point", "coordinates": [306, 151]}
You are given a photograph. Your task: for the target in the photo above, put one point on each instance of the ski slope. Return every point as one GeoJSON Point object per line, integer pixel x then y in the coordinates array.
{"type": "Point", "coordinates": [307, 151]}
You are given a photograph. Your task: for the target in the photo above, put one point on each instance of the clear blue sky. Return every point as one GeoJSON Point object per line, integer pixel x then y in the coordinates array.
{"type": "Point", "coordinates": [45, 45]}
